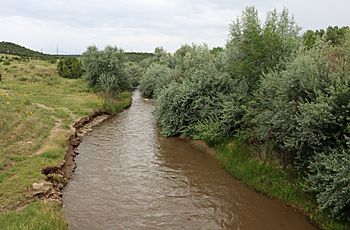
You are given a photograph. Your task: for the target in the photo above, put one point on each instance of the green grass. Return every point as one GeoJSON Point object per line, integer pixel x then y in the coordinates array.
{"type": "Point", "coordinates": [35, 121]}
{"type": "Point", "coordinates": [118, 104]}
{"type": "Point", "coordinates": [37, 215]}
{"type": "Point", "coordinates": [273, 180]}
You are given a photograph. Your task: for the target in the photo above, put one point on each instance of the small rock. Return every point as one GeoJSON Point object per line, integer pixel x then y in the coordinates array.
{"type": "Point", "coordinates": [41, 188]}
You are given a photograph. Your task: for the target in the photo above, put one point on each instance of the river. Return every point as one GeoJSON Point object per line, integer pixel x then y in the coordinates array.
{"type": "Point", "coordinates": [130, 177]}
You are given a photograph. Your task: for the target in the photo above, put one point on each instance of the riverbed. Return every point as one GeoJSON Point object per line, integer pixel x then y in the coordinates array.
{"type": "Point", "coordinates": [130, 177]}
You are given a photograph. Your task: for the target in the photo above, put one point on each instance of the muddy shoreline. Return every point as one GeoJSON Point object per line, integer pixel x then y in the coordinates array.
{"type": "Point", "coordinates": [58, 176]}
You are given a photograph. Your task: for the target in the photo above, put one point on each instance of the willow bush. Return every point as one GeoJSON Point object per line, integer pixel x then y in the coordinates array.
{"type": "Point", "coordinates": [181, 105]}
{"type": "Point", "coordinates": [106, 67]}
{"type": "Point", "coordinates": [153, 78]}
{"type": "Point", "coordinates": [304, 108]}
{"type": "Point", "coordinates": [329, 179]}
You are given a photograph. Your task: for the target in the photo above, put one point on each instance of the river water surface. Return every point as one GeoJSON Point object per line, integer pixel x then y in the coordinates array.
{"type": "Point", "coordinates": [129, 177]}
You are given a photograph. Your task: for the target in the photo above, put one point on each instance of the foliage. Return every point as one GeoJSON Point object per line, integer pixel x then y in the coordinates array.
{"type": "Point", "coordinates": [199, 96]}
{"type": "Point", "coordinates": [133, 72]}
{"type": "Point", "coordinates": [108, 83]}
{"type": "Point", "coordinates": [209, 130]}
{"type": "Point", "coordinates": [329, 178]}
{"type": "Point", "coordinates": [254, 48]}
{"type": "Point", "coordinates": [117, 103]}
{"type": "Point", "coordinates": [304, 108]}
{"type": "Point", "coordinates": [153, 78]}
{"type": "Point", "coordinates": [137, 57]}
{"type": "Point", "coordinates": [70, 68]}
{"type": "Point", "coordinates": [105, 69]}
{"type": "Point", "coordinates": [334, 35]}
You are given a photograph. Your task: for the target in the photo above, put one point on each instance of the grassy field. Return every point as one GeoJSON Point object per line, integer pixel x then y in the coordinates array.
{"type": "Point", "coordinates": [37, 109]}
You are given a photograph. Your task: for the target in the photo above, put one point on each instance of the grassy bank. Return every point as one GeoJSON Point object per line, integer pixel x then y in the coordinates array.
{"type": "Point", "coordinates": [273, 180]}
{"type": "Point", "coordinates": [37, 109]}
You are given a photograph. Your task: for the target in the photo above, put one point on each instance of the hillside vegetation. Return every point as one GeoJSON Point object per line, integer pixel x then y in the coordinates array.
{"type": "Point", "coordinates": [14, 49]}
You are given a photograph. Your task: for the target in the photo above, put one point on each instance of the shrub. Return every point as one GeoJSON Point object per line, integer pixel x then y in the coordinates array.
{"type": "Point", "coordinates": [305, 108]}
{"type": "Point", "coordinates": [181, 105]}
{"type": "Point", "coordinates": [6, 63]}
{"type": "Point", "coordinates": [329, 178]}
{"type": "Point", "coordinates": [133, 72]}
{"type": "Point", "coordinates": [70, 68]}
{"type": "Point", "coordinates": [154, 77]}
{"type": "Point", "coordinates": [208, 130]}
{"type": "Point", "coordinates": [108, 83]}
{"type": "Point", "coordinates": [110, 61]}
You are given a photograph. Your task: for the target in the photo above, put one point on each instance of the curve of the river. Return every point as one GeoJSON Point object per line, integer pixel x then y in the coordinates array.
{"type": "Point", "coordinates": [129, 177]}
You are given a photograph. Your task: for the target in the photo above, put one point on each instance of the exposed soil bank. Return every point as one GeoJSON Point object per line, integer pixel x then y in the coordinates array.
{"type": "Point", "coordinates": [58, 176]}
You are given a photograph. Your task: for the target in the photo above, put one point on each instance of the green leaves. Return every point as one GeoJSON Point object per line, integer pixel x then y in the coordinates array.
{"type": "Point", "coordinates": [254, 48]}
{"type": "Point", "coordinates": [329, 178]}
{"type": "Point", "coordinates": [105, 69]}
{"type": "Point", "coordinates": [70, 68]}
{"type": "Point", "coordinates": [155, 77]}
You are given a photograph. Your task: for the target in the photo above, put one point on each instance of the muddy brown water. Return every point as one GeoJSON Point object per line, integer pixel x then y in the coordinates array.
{"type": "Point", "coordinates": [130, 177]}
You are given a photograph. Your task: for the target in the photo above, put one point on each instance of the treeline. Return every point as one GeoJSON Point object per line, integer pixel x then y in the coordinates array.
{"type": "Point", "coordinates": [271, 86]}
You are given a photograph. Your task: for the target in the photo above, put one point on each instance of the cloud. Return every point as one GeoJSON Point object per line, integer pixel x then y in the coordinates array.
{"type": "Point", "coordinates": [143, 24]}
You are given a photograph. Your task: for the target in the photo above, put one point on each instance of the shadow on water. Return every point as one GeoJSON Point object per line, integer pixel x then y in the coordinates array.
{"type": "Point", "coordinates": [130, 177]}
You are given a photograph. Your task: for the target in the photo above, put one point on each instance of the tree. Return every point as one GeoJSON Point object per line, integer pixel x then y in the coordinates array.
{"type": "Point", "coordinates": [254, 48]}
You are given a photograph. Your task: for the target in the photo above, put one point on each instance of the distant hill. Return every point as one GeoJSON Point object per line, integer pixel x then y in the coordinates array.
{"type": "Point", "coordinates": [12, 48]}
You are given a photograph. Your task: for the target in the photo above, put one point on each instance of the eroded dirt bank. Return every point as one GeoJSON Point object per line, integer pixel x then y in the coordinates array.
{"type": "Point", "coordinates": [58, 176]}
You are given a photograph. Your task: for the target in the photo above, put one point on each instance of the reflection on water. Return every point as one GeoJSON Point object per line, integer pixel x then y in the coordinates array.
{"type": "Point", "coordinates": [129, 177]}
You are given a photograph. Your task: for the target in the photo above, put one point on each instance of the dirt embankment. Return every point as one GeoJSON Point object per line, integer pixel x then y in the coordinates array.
{"type": "Point", "coordinates": [57, 177]}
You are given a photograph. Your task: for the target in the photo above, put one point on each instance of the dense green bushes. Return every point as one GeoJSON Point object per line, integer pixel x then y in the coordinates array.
{"type": "Point", "coordinates": [133, 72]}
{"type": "Point", "coordinates": [70, 68]}
{"type": "Point", "coordinates": [154, 77]}
{"type": "Point", "coordinates": [270, 88]}
{"type": "Point", "coordinates": [105, 69]}
{"type": "Point", "coordinates": [304, 107]}
{"type": "Point", "coordinates": [181, 105]}
{"type": "Point", "coordinates": [334, 35]}
{"type": "Point", "coordinates": [329, 179]}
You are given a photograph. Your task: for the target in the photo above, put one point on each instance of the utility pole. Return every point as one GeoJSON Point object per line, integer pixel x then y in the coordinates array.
{"type": "Point", "coordinates": [57, 49]}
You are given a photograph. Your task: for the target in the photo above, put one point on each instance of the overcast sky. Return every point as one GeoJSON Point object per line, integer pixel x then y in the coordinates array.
{"type": "Point", "coordinates": [142, 25]}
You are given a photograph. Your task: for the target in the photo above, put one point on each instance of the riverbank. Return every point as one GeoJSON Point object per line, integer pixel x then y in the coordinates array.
{"type": "Point", "coordinates": [37, 110]}
{"type": "Point", "coordinates": [273, 180]}
{"type": "Point", "coordinates": [269, 178]}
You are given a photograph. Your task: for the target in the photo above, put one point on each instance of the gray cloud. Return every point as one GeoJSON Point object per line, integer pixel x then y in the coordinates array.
{"type": "Point", "coordinates": [144, 24]}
